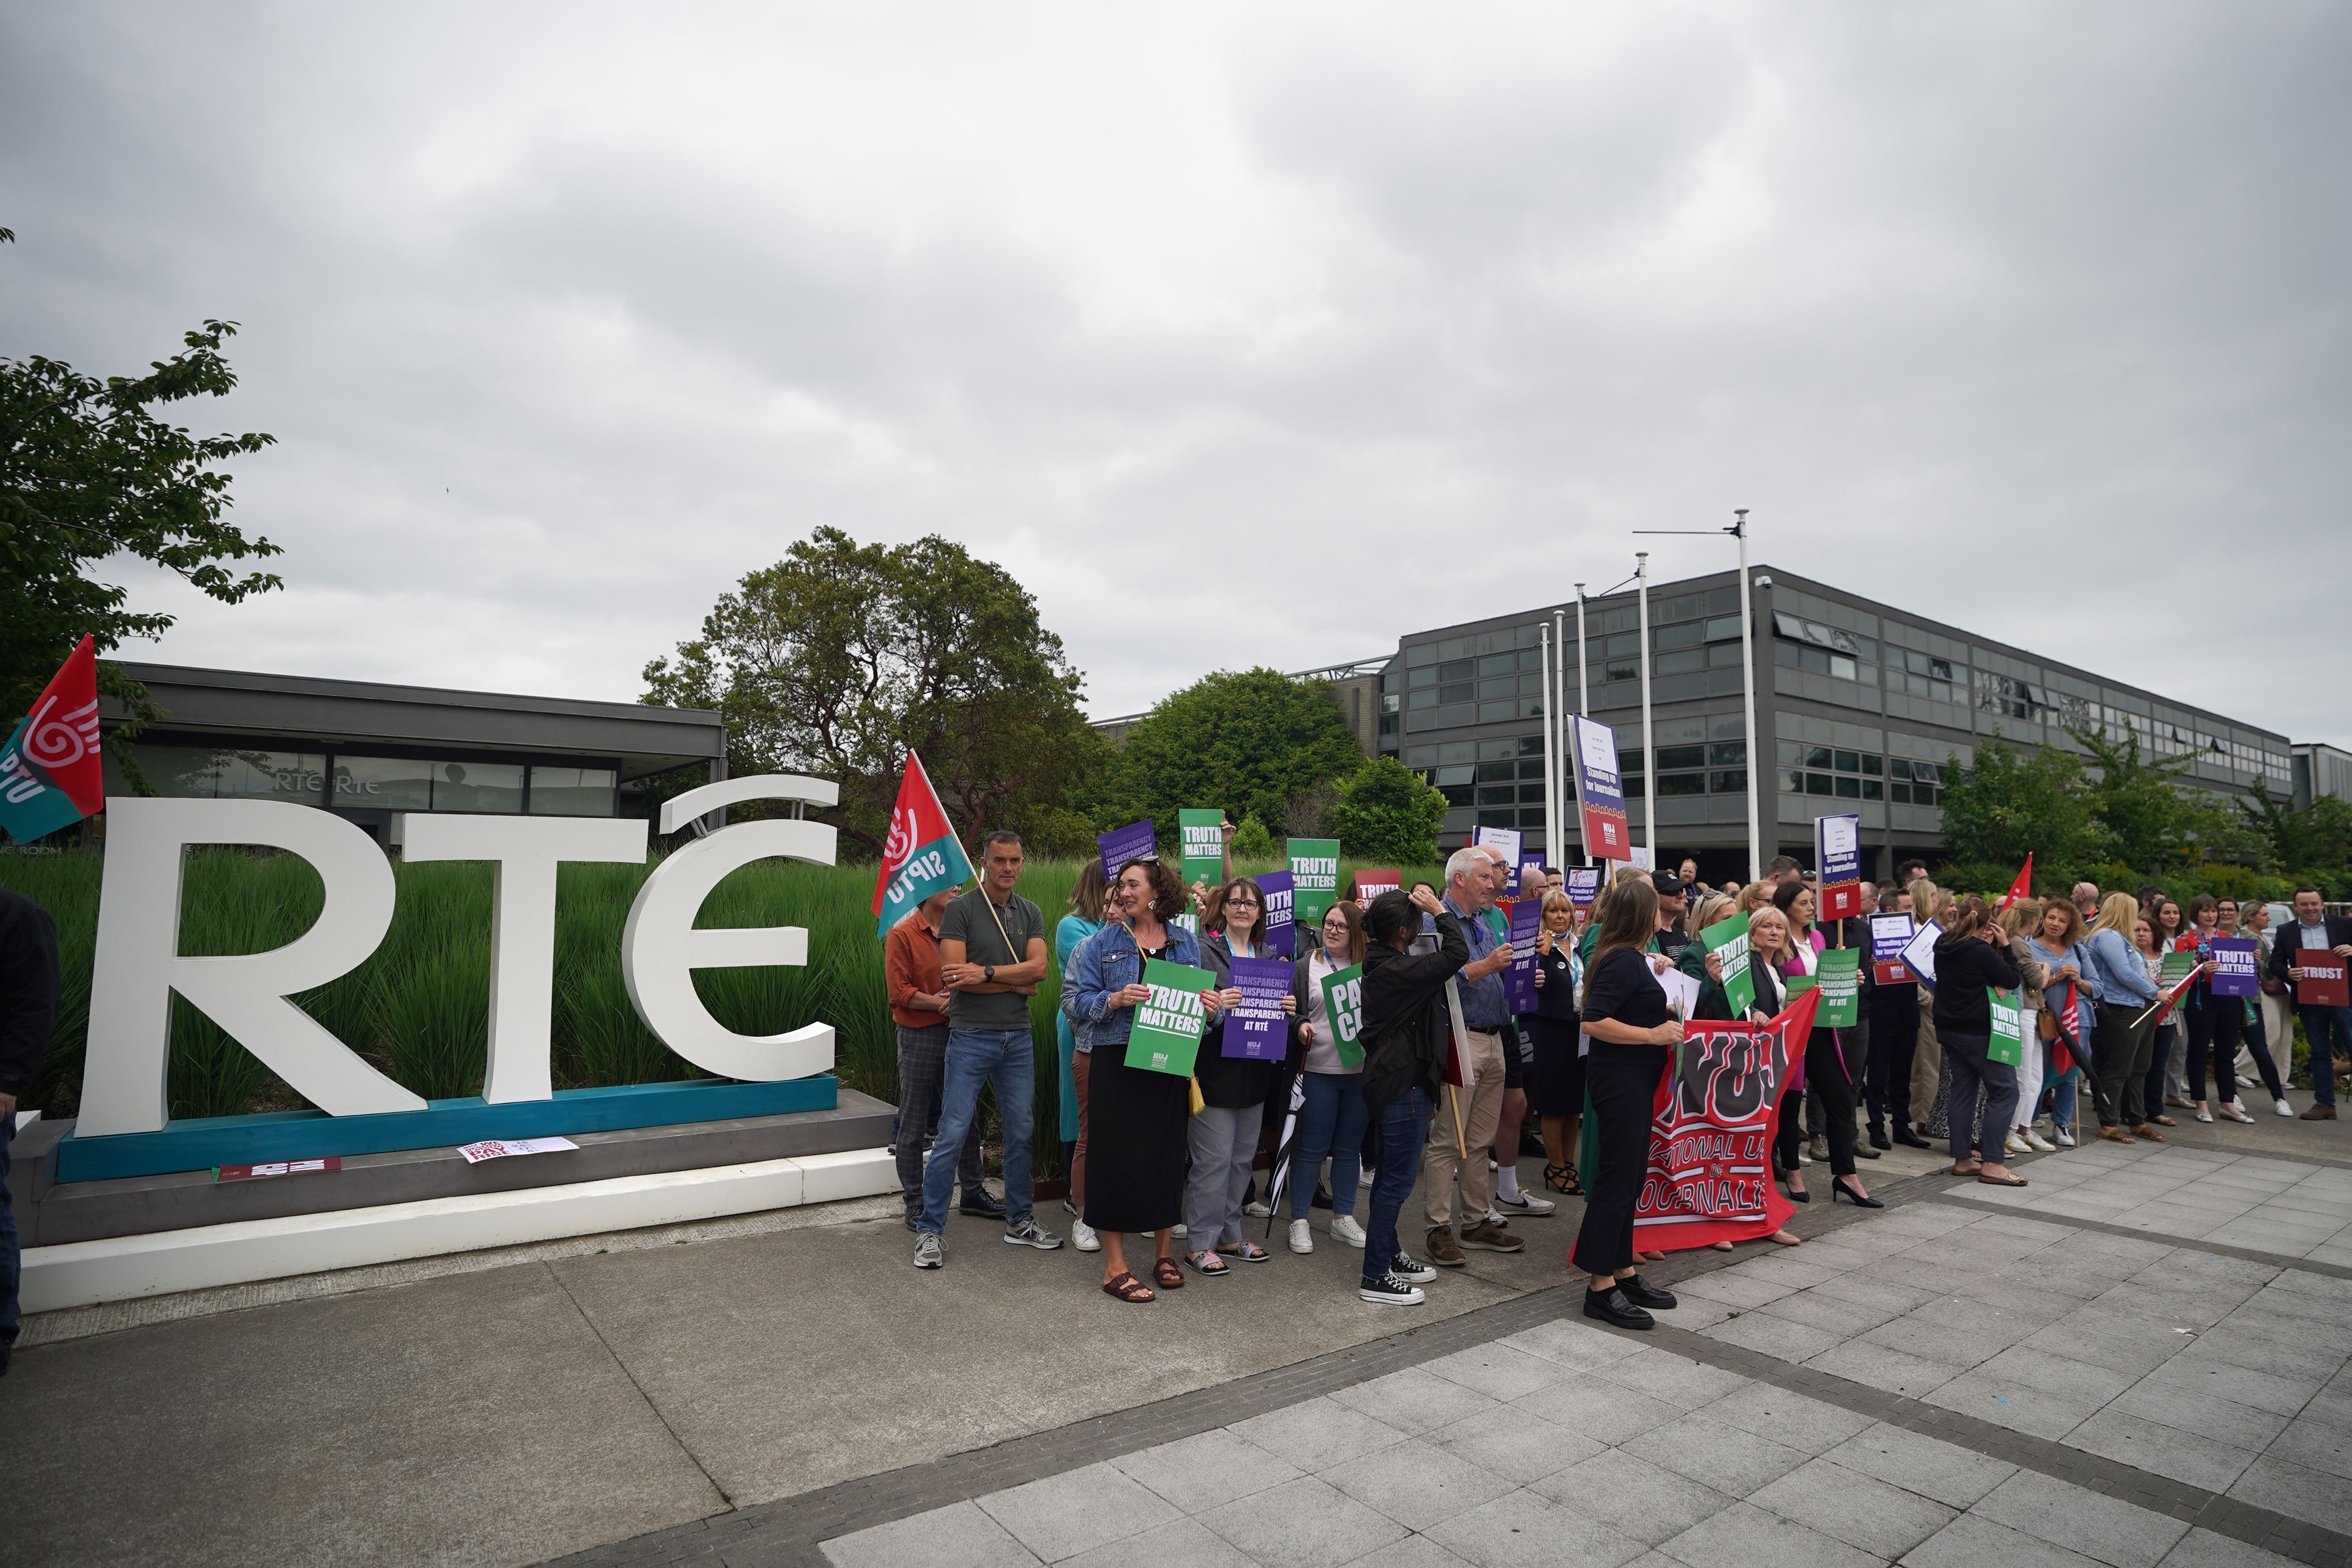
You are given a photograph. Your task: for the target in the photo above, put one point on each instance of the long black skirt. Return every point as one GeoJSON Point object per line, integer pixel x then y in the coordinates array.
{"type": "Point", "coordinates": [1559, 1071]}
{"type": "Point", "coordinates": [1136, 1146]}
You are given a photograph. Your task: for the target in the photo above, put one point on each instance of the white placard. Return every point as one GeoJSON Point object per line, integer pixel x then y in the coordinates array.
{"type": "Point", "coordinates": [1919, 957]}
{"type": "Point", "coordinates": [498, 1149]}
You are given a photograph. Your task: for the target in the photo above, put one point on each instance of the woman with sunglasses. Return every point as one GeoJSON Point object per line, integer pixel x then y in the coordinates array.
{"type": "Point", "coordinates": [1332, 1118]}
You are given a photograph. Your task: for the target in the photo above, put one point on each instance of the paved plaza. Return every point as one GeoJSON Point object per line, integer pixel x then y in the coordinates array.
{"type": "Point", "coordinates": [2137, 1362]}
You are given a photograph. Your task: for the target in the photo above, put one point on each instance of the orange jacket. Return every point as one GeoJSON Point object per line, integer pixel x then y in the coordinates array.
{"type": "Point", "coordinates": [910, 962]}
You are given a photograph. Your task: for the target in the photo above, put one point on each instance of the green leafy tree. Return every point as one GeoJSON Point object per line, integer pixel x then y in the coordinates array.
{"type": "Point", "coordinates": [2153, 823]}
{"type": "Point", "coordinates": [840, 658]}
{"type": "Point", "coordinates": [88, 473]}
{"type": "Point", "coordinates": [2009, 805]}
{"type": "Point", "coordinates": [1390, 813]}
{"type": "Point", "coordinates": [1250, 743]}
{"type": "Point", "coordinates": [2317, 837]}
{"type": "Point", "coordinates": [1253, 844]}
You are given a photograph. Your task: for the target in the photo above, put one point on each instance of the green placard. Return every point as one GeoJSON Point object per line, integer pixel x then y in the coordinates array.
{"type": "Point", "coordinates": [1205, 844]}
{"type": "Point", "coordinates": [1796, 986]}
{"type": "Point", "coordinates": [1166, 1035]}
{"type": "Point", "coordinates": [1841, 974]}
{"type": "Point", "coordinates": [1343, 999]}
{"type": "Point", "coordinates": [2173, 968]}
{"type": "Point", "coordinates": [1728, 940]}
{"type": "Point", "coordinates": [1314, 879]}
{"type": "Point", "coordinates": [2008, 1043]}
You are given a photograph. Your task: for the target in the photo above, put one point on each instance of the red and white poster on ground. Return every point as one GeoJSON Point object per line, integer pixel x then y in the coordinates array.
{"type": "Point", "coordinates": [1710, 1175]}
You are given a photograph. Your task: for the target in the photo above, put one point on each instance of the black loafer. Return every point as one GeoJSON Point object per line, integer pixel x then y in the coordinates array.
{"type": "Point", "coordinates": [1642, 1293]}
{"type": "Point", "coordinates": [1611, 1307]}
{"type": "Point", "coordinates": [980, 1206]}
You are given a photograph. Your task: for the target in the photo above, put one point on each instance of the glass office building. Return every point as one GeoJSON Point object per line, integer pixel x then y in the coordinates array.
{"type": "Point", "coordinates": [371, 753]}
{"type": "Point", "coordinates": [1859, 707]}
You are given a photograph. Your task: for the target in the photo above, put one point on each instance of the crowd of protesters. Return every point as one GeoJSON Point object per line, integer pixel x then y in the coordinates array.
{"type": "Point", "coordinates": [1450, 1071]}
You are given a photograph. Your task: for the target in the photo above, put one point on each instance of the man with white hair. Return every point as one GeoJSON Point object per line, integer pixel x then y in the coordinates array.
{"type": "Point", "coordinates": [1467, 1115]}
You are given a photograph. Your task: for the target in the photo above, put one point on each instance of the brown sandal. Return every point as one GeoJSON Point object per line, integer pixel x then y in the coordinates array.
{"type": "Point", "coordinates": [1167, 1276]}
{"type": "Point", "coordinates": [2117, 1135]}
{"type": "Point", "coordinates": [1128, 1288]}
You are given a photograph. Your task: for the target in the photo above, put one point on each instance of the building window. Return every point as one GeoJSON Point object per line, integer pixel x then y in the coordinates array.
{"type": "Point", "coordinates": [573, 791]}
{"type": "Point", "coordinates": [1832, 772]}
{"type": "Point", "coordinates": [477, 786]}
{"type": "Point", "coordinates": [1688, 661]}
{"type": "Point", "coordinates": [394, 784]}
{"type": "Point", "coordinates": [1913, 784]}
{"type": "Point", "coordinates": [209, 773]}
{"type": "Point", "coordinates": [1723, 629]}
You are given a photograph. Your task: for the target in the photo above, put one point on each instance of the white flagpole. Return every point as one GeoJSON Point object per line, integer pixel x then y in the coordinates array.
{"type": "Point", "coordinates": [1649, 741]}
{"type": "Point", "coordinates": [1748, 685]}
{"type": "Point", "coordinates": [1551, 775]}
{"type": "Point", "coordinates": [1555, 705]}
{"type": "Point", "coordinates": [1584, 701]}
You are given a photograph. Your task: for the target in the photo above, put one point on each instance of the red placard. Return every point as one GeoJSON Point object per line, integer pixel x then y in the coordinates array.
{"type": "Point", "coordinates": [1892, 971]}
{"type": "Point", "coordinates": [1839, 900]}
{"type": "Point", "coordinates": [2320, 980]}
{"type": "Point", "coordinates": [277, 1168]}
{"type": "Point", "coordinates": [1372, 882]}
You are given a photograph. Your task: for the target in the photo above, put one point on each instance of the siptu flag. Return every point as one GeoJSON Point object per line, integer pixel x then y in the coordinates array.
{"type": "Point", "coordinates": [2020, 888]}
{"type": "Point", "coordinates": [2164, 1002]}
{"type": "Point", "coordinates": [920, 857]}
{"type": "Point", "coordinates": [49, 773]}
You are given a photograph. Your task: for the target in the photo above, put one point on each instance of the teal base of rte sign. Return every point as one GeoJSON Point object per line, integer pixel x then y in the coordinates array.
{"type": "Point", "coordinates": [200, 1143]}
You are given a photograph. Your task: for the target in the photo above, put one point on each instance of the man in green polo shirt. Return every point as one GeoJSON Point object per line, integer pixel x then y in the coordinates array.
{"type": "Point", "coordinates": [992, 958]}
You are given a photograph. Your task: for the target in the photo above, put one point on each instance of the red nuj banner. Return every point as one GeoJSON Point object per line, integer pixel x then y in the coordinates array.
{"type": "Point", "coordinates": [1710, 1176]}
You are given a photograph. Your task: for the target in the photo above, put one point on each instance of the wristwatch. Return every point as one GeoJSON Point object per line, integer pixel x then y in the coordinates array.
{"type": "Point", "coordinates": [987, 974]}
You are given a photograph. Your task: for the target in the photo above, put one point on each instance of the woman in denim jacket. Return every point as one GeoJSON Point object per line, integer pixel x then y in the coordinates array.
{"type": "Point", "coordinates": [1136, 1119]}
{"type": "Point", "coordinates": [2119, 1048]}
{"type": "Point", "coordinates": [2055, 944]}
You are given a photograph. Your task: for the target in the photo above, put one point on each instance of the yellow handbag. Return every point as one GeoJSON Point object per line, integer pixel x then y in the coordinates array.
{"type": "Point", "coordinates": [1199, 1105]}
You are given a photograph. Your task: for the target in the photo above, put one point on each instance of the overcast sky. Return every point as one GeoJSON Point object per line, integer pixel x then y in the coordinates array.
{"type": "Point", "coordinates": [1240, 334]}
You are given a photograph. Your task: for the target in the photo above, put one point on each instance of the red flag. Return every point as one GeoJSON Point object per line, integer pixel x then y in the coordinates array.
{"type": "Point", "coordinates": [2022, 888]}
{"type": "Point", "coordinates": [50, 776]}
{"type": "Point", "coordinates": [2070, 1032]}
{"type": "Point", "coordinates": [920, 856]}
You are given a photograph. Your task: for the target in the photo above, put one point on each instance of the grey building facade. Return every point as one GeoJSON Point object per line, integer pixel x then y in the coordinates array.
{"type": "Point", "coordinates": [1859, 707]}
{"type": "Point", "coordinates": [2321, 770]}
{"type": "Point", "coordinates": [371, 752]}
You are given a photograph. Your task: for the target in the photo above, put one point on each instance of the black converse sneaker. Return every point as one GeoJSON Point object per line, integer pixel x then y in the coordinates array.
{"type": "Point", "coordinates": [1410, 1270]}
{"type": "Point", "coordinates": [1389, 1290]}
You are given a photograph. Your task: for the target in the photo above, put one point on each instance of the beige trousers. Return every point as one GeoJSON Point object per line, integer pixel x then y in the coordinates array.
{"type": "Point", "coordinates": [1441, 1160]}
{"type": "Point", "coordinates": [1926, 1063]}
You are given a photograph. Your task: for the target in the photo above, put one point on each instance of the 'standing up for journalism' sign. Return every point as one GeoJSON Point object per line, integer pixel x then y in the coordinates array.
{"type": "Point", "coordinates": [1889, 935]}
{"type": "Point", "coordinates": [1837, 852]}
{"type": "Point", "coordinates": [1599, 792]}
{"type": "Point", "coordinates": [1166, 1034]}
{"type": "Point", "coordinates": [1504, 841]}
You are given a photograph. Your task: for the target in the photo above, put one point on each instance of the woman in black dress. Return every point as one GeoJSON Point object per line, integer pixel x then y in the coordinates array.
{"type": "Point", "coordinates": [1136, 1119]}
{"type": "Point", "coordinates": [1625, 1013]}
{"type": "Point", "coordinates": [1559, 1071]}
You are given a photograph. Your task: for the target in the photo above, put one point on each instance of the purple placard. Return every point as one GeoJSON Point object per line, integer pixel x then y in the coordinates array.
{"type": "Point", "coordinates": [1257, 1030]}
{"type": "Point", "coordinates": [1519, 979]}
{"type": "Point", "coordinates": [1121, 845]}
{"type": "Point", "coordinates": [1281, 936]}
{"type": "Point", "coordinates": [2239, 959]}
{"type": "Point", "coordinates": [1583, 886]}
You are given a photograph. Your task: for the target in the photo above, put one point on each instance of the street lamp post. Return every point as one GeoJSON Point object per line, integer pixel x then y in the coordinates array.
{"type": "Point", "coordinates": [1551, 776]}
{"type": "Point", "coordinates": [1649, 733]}
{"type": "Point", "coordinates": [1739, 531]}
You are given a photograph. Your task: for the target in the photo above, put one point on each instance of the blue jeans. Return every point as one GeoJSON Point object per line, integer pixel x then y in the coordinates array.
{"type": "Point", "coordinates": [974, 1055]}
{"type": "Point", "coordinates": [2329, 1030]}
{"type": "Point", "coordinates": [2062, 1099]}
{"type": "Point", "coordinates": [1331, 1123]}
{"type": "Point", "coordinates": [9, 1266]}
{"type": "Point", "coordinates": [1404, 1127]}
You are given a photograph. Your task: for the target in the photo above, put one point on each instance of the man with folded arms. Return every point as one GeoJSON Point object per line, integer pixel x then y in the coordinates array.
{"type": "Point", "coordinates": [1473, 877]}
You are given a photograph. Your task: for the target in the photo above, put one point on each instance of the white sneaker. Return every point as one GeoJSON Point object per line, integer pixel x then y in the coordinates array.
{"type": "Point", "coordinates": [2065, 1137]}
{"type": "Point", "coordinates": [1363, 1175]}
{"type": "Point", "coordinates": [2283, 1107]}
{"type": "Point", "coordinates": [1180, 1233]}
{"type": "Point", "coordinates": [1302, 1240]}
{"type": "Point", "coordinates": [1256, 1211]}
{"type": "Point", "coordinates": [2017, 1145]}
{"type": "Point", "coordinates": [2040, 1144]}
{"type": "Point", "coordinates": [1083, 1237]}
{"type": "Point", "coordinates": [1524, 1204]}
{"type": "Point", "coordinates": [1345, 1228]}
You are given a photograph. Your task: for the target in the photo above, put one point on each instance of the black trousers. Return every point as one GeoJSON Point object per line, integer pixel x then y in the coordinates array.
{"type": "Point", "coordinates": [1825, 1076]}
{"type": "Point", "coordinates": [1894, 1037]}
{"type": "Point", "coordinates": [2215, 1026]}
{"type": "Point", "coordinates": [1622, 1082]}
